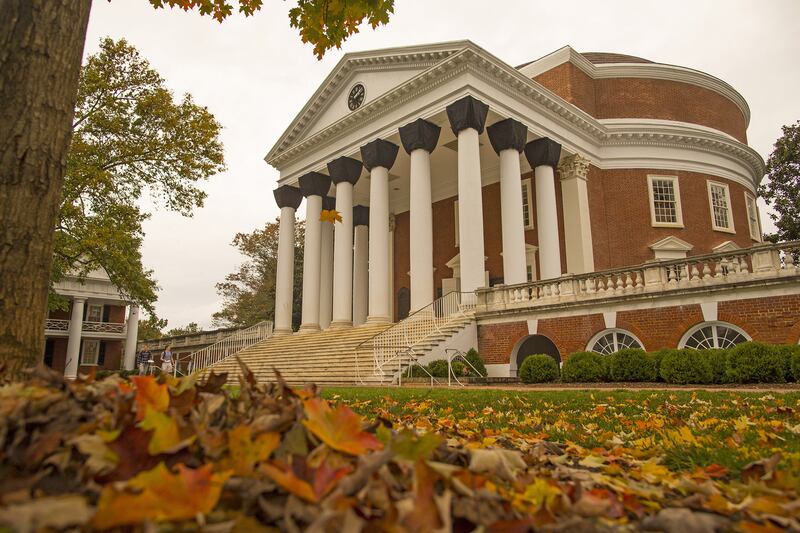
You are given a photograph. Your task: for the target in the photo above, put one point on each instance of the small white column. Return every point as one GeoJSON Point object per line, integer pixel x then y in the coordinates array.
{"type": "Point", "coordinates": [313, 186]}
{"type": "Point", "coordinates": [74, 342]}
{"type": "Point", "coordinates": [132, 330]}
{"type": "Point", "coordinates": [508, 140]}
{"type": "Point", "coordinates": [360, 265]}
{"type": "Point", "coordinates": [326, 269]}
{"type": "Point", "coordinates": [379, 156]}
{"type": "Point", "coordinates": [419, 140]}
{"type": "Point", "coordinates": [344, 172]}
{"type": "Point", "coordinates": [574, 172]}
{"type": "Point", "coordinates": [467, 118]}
{"type": "Point", "coordinates": [288, 199]}
{"type": "Point", "coordinates": [543, 155]}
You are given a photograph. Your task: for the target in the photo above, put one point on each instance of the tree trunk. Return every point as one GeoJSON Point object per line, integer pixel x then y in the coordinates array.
{"type": "Point", "coordinates": [41, 45]}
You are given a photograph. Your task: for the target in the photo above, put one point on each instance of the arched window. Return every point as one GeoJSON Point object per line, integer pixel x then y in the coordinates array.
{"type": "Point", "coordinates": [713, 335]}
{"type": "Point", "coordinates": [609, 341]}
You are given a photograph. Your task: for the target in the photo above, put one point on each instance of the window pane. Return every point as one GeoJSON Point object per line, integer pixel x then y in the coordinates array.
{"type": "Point", "coordinates": [719, 202]}
{"type": "Point", "coordinates": [526, 208]}
{"type": "Point", "coordinates": [665, 205]}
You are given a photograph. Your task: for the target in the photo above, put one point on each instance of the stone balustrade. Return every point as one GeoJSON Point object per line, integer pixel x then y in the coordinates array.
{"type": "Point", "coordinates": [56, 324]}
{"type": "Point", "coordinates": [758, 263]}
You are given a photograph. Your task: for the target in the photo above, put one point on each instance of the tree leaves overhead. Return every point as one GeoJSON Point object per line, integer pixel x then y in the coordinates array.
{"type": "Point", "coordinates": [325, 24]}
{"type": "Point", "coordinates": [131, 138]}
{"type": "Point", "coordinates": [782, 190]}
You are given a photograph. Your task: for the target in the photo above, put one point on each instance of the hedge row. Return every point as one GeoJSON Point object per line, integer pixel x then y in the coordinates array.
{"type": "Point", "coordinates": [749, 362]}
{"type": "Point", "coordinates": [438, 368]}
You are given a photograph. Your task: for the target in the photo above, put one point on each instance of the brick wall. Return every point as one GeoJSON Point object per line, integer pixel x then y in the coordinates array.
{"type": "Point", "coordinates": [774, 320]}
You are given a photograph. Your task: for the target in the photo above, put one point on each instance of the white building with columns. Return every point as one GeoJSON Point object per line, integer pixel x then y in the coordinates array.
{"type": "Point", "coordinates": [454, 171]}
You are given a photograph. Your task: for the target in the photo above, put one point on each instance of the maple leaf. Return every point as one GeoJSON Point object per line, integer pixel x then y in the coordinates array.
{"type": "Point", "coordinates": [246, 452]}
{"type": "Point", "coordinates": [160, 495]}
{"type": "Point", "coordinates": [330, 215]}
{"type": "Point", "coordinates": [166, 436]}
{"type": "Point", "coordinates": [323, 479]}
{"type": "Point", "coordinates": [150, 394]}
{"type": "Point", "coordinates": [339, 428]}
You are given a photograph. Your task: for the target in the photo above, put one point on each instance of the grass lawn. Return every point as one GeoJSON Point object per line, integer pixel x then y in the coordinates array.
{"type": "Point", "coordinates": [684, 430]}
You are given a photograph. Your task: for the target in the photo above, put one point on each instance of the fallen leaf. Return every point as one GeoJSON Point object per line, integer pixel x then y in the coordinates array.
{"type": "Point", "coordinates": [339, 428]}
{"type": "Point", "coordinates": [41, 514]}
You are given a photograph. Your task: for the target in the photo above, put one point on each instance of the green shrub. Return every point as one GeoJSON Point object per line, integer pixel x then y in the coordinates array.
{"type": "Point", "coordinates": [657, 358]}
{"type": "Point", "coordinates": [795, 365]}
{"type": "Point", "coordinates": [686, 366]}
{"type": "Point", "coordinates": [583, 367]}
{"type": "Point", "coordinates": [538, 368]}
{"type": "Point", "coordinates": [438, 368]}
{"type": "Point", "coordinates": [631, 364]}
{"type": "Point", "coordinates": [790, 353]}
{"type": "Point", "coordinates": [718, 363]}
{"type": "Point", "coordinates": [417, 371]}
{"type": "Point", "coordinates": [755, 362]}
{"type": "Point", "coordinates": [125, 374]}
{"type": "Point", "coordinates": [475, 360]}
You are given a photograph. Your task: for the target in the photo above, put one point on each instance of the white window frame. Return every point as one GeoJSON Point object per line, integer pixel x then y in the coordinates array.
{"type": "Point", "coordinates": [87, 357]}
{"type": "Point", "coordinates": [755, 232]}
{"type": "Point", "coordinates": [89, 308]}
{"type": "Point", "coordinates": [730, 228]}
{"type": "Point", "coordinates": [528, 192]}
{"type": "Point", "coordinates": [678, 209]}
{"type": "Point", "coordinates": [616, 331]}
{"type": "Point", "coordinates": [455, 210]}
{"type": "Point", "coordinates": [714, 324]}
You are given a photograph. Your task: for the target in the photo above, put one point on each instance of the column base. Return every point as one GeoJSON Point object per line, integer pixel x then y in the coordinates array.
{"type": "Point", "coordinates": [282, 332]}
{"type": "Point", "coordinates": [309, 328]}
{"type": "Point", "coordinates": [341, 324]}
{"type": "Point", "coordinates": [378, 320]}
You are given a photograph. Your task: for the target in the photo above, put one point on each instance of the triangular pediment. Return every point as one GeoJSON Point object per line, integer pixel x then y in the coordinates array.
{"type": "Point", "coordinates": [672, 244]}
{"type": "Point", "coordinates": [379, 71]}
{"type": "Point", "coordinates": [727, 246]}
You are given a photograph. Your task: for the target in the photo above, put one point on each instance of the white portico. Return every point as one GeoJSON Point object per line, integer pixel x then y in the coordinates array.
{"type": "Point", "coordinates": [464, 120]}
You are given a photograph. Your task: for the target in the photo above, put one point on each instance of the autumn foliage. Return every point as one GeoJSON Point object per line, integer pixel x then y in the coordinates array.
{"type": "Point", "coordinates": [198, 453]}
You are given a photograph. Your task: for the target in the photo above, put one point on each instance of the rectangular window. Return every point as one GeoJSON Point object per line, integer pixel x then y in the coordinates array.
{"type": "Point", "coordinates": [752, 217]}
{"type": "Point", "coordinates": [90, 352]}
{"type": "Point", "coordinates": [94, 313]}
{"type": "Point", "coordinates": [527, 203]}
{"type": "Point", "coordinates": [455, 210]}
{"type": "Point", "coordinates": [665, 201]}
{"type": "Point", "coordinates": [720, 200]}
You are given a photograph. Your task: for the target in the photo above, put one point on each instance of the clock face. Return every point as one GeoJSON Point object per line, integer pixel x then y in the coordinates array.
{"type": "Point", "coordinates": [356, 97]}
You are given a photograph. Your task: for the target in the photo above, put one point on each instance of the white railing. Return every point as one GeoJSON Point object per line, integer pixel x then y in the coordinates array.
{"type": "Point", "coordinates": [58, 324]}
{"type": "Point", "coordinates": [395, 345]}
{"type": "Point", "coordinates": [761, 262]}
{"type": "Point", "coordinates": [227, 347]}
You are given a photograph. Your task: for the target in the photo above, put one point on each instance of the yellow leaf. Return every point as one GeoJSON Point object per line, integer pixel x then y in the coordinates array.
{"type": "Point", "coordinates": [330, 215]}
{"type": "Point", "coordinates": [245, 451]}
{"type": "Point", "coordinates": [166, 437]}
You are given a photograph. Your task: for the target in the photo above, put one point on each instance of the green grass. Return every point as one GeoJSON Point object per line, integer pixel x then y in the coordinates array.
{"type": "Point", "coordinates": [726, 428]}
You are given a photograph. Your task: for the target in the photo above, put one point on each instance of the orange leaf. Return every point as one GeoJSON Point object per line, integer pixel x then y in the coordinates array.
{"type": "Point", "coordinates": [339, 428]}
{"type": "Point", "coordinates": [150, 393]}
{"type": "Point", "coordinates": [290, 482]}
{"type": "Point", "coordinates": [160, 495]}
{"type": "Point", "coordinates": [330, 215]}
{"type": "Point", "coordinates": [424, 515]}
{"type": "Point", "coordinates": [245, 451]}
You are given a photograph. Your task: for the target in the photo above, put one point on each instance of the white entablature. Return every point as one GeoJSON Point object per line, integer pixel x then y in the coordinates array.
{"type": "Point", "coordinates": [325, 129]}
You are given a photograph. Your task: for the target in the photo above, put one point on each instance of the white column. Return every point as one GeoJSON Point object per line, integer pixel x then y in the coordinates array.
{"type": "Point", "coordinates": [284, 275]}
{"type": "Point", "coordinates": [574, 171]}
{"type": "Point", "coordinates": [379, 306]}
{"type": "Point", "coordinates": [508, 140]}
{"type": "Point", "coordinates": [467, 118]}
{"type": "Point", "coordinates": [421, 229]}
{"type": "Point", "coordinates": [74, 342]}
{"type": "Point", "coordinates": [326, 276]}
{"type": "Point", "coordinates": [360, 275]}
{"type": "Point", "coordinates": [543, 155]}
{"type": "Point", "coordinates": [343, 257]}
{"type": "Point", "coordinates": [311, 264]}
{"type": "Point", "coordinates": [130, 337]}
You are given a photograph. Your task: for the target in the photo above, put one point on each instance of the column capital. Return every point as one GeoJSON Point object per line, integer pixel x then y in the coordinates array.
{"type": "Point", "coordinates": [288, 196]}
{"type": "Point", "coordinates": [543, 152]}
{"type": "Point", "coordinates": [379, 153]}
{"type": "Point", "coordinates": [469, 112]}
{"type": "Point", "coordinates": [360, 215]}
{"type": "Point", "coordinates": [420, 134]}
{"type": "Point", "coordinates": [344, 169]}
{"type": "Point", "coordinates": [508, 134]}
{"type": "Point", "coordinates": [81, 299]}
{"type": "Point", "coordinates": [328, 203]}
{"type": "Point", "coordinates": [314, 184]}
{"type": "Point", "coordinates": [575, 166]}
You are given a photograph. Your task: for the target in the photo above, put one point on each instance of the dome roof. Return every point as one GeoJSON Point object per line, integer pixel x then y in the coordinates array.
{"type": "Point", "coordinates": [606, 57]}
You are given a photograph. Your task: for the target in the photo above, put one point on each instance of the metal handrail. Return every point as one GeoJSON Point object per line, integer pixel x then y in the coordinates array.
{"type": "Point", "coordinates": [213, 354]}
{"type": "Point", "coordinates": [400, 338]}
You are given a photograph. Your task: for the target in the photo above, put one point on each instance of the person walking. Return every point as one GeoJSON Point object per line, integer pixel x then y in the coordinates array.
{"type": "Point", "coordinates": [166, 360]}
{"type": "Point", "coordinates": [143, 360]}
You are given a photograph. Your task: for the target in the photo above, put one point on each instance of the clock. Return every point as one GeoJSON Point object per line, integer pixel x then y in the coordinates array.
{"type": "Point", "coordinates": [356, 97]}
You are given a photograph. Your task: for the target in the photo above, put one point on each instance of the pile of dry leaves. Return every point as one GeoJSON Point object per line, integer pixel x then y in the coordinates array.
{"type": "Point", "coordinates": [111, 453]}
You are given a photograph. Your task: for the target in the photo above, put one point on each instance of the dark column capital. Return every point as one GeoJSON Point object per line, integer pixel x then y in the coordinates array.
{"type": "Point", "coordinates": [288, 196]}
{"type": "Point", "coordinates": [345, 169]}
{"type": "Point", "coordinates": [420, 134]}
{"type": "Point", "coordinates": [543, 152]}
{"type": "Point", "coordinates": [469, 112]}
{"type": "Point", "coordinates": [360, 215]}
{"type": "Point", "coordinates": [314, 184]}
{"type": "Point", "coordinates": [379, 153]}
{"type": "Point", "coordinates": [328, 203]}
{"type": "Point", "coordinates": [508, 134]}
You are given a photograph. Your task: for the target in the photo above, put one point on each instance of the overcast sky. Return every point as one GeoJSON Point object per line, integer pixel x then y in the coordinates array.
{"type": "Point", "coordinates": [254, 75]}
